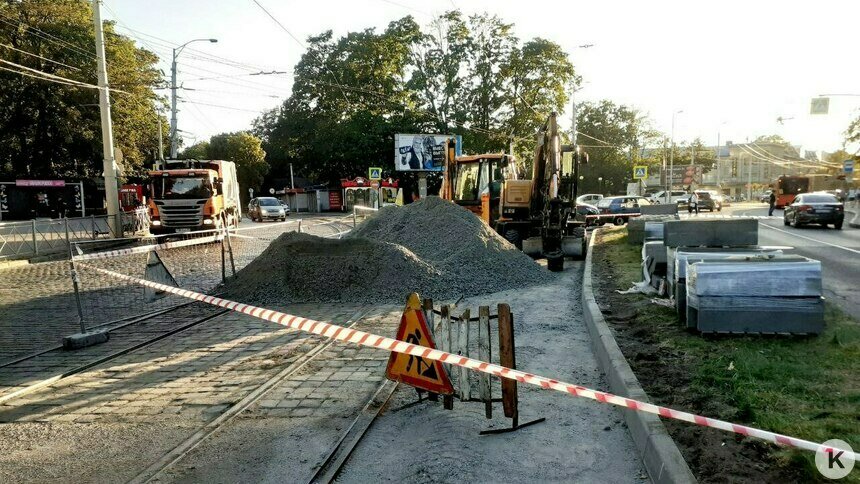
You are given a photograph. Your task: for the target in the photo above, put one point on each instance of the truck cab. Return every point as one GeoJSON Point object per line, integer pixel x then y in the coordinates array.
{"type": "Point", "coordinates": [192, 195]}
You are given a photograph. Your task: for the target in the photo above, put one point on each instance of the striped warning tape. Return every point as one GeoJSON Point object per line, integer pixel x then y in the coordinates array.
{"type": "Point", "coordinates": [362, 338]}
{"type": "Point", "coordinates": [148, 248]}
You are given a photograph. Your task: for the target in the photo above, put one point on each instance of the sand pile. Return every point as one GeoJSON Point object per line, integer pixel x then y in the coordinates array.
{"type": "Point", "coordinates": [432, 247]}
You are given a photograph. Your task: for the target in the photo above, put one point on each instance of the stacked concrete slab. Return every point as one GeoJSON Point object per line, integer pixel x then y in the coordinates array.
{"type": "Point", "coordinates": [779, 294]}
{"type": "Point", "coordinates": [647, 227]}
{"type": "Point", "coordinates": [679, 258]}
{"type": "Point", "coordinates": [710, 232]}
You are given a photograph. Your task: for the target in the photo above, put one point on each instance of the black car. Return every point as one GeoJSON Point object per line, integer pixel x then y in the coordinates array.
{"type": "Point", "coordinates": [705, 201]}
{"type": "Point", "coordinates": [585, 212]}
{"type": "Point", "coordinates": [815, 208]}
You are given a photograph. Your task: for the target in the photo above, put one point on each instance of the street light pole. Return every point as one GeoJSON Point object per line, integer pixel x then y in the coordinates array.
{"type": "Point", "coordinates": [672, 160]}
{"type": "Point", "coordinates": [174, 142]}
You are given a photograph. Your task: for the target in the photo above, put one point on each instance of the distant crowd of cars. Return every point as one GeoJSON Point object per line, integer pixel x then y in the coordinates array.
{"type": "Point", "coordinates": [823, 208]}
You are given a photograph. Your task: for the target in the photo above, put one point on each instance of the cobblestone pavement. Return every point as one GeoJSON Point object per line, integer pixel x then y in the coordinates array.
{"type": "Point", "coordinates": [175, 386]}
{"type": "Point", "coordinates": [38, 307]}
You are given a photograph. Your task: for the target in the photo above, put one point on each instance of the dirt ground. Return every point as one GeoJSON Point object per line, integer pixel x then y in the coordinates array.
{"type": "Point", "coordinates": [581, 440]}
{"type": "Point", "coordinates": [664, 373]}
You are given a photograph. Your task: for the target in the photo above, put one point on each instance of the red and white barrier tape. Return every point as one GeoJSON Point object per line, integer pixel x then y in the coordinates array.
{"type": "Point", "coordinates": [148, 248]}
{"type": "Point", "coordinates": [362, 338]}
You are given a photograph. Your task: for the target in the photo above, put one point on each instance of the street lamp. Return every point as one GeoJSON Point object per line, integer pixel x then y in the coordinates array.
{"type": "Point", "coordinates": [173, 131]}
{"type": "Point", "coordinates": [719, 150]}
{"type": "Point", "coordinates": [600, 181]}
{"type": "Point", "coordinates": [672, 160]}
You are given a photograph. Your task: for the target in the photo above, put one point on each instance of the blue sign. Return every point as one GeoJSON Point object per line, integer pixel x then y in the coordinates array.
{"type": "Point", "coordinates": [848, 166]}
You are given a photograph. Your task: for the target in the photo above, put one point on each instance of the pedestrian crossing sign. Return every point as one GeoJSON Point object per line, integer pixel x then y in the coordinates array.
{"type": "Point", "coordinates": [413, 370]}
{"type": "Point", "coordinates": [640, 172]}
{"type": "Point", "coordinates": [374, 173]}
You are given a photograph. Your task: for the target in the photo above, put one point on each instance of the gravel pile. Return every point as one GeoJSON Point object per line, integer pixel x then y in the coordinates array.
{"type": "Point", "coordinates": [432, 247]}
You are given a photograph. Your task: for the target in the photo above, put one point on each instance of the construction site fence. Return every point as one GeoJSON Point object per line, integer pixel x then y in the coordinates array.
{"type": "Point", "coordinates": [19, 240]}
{"type": "Point", "coordinates": [201, 261]}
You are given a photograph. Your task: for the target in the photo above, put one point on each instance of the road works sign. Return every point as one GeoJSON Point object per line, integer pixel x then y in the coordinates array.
{"type": "Point", "coordinates": [640, 172]}
{"type": "Point", "coordinates": [414, 370]}
{"type": "Point", "coordinates": [374, 173]}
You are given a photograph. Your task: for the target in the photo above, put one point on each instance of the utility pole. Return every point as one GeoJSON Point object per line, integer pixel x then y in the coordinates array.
{"type": "Point", "coordinates": [174, 130]}
{"type": "Point", "coordinates": [718, 161]}
{"type": "Point", "coordinates": [111, 189]}
{"type": "Point", "coordinates": [160, 138]}
{"type": "Point", "coordinates": [672, 160]}
{"type": "Point", "coordinates": [173, 126]}
{"type": "Point", "coordinates": [292, 184]}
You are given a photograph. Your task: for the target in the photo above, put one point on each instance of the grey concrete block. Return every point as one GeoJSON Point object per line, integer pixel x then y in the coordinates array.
{"type": "Point", "coordinates": [710, 232]}
{"type": "Point", "coordinates": [660, 209]}
{"type": "Point", "coordinates": [82, 340]}
{"type": "Point", "coordinates": [656, 250]}
{"type": "Point", "coordinates": [756, 315]}
{"type": "Point", "coordinates": [779, 276]}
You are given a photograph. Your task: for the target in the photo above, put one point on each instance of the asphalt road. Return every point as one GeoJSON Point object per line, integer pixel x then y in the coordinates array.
{"type": "Point", "coordinates": [838, 251]}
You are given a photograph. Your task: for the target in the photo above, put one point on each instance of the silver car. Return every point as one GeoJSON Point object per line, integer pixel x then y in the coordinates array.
{"type": "Point", "coordinates": [267, 208]}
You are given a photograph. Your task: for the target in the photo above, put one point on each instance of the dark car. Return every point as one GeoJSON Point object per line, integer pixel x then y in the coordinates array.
{"type": "Point", "coordinates": [815, 208]}
{"type": "Point", "coordinates": [705, 201]}
{"type": "Point", "coordinates": [585, 212]}
{"type": "Point", "coordinates": [267, 208]}
{"type": "Point", "coordinates": [620, 209]}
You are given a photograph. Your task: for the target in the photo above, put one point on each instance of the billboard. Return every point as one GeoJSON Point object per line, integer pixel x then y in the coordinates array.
{"type": "Point", "coordinates": [420, 152]}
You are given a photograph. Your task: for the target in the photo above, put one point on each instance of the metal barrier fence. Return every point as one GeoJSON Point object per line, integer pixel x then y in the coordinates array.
{"type": "Point", "coordinates": [37, 301]}
{"type": "Point", "coordinates": [40, 237]}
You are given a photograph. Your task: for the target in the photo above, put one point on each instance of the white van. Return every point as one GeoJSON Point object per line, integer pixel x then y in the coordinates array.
{"type": "Point", "coordinates": [663, 196]}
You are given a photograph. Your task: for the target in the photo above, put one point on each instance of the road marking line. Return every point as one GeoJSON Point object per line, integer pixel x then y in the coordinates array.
{"type": "Point", "coordinates": [812, 239]}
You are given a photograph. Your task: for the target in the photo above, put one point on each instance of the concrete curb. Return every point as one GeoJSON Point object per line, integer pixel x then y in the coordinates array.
{"type": "Point", "coordinates": [661, 456]}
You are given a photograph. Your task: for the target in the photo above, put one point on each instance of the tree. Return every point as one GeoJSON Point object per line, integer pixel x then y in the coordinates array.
{"type": "Point", "coordinates": [52, 130]}
{"type": "Point", "coordinates": [197, 151]}
{"type": "Point", "coordinates": [852, 134]}
{"type": "Point", "coordinates": [242, 148]}
{"type": "Point", "coordinates": [771, 138]}
{"type": "Point", "coordinates": [468, 77]}
{"type": "Point", "coordinates": [612, 133]}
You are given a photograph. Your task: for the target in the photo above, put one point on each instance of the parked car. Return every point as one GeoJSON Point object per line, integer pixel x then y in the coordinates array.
{"type": "Point", "coordinates": [585, 212]}
{"type": "Point", "coordinates": [765, 197]}
{"type": "Point", "coordinates": [661, 196]}
{"type": "Point", "coordinates": [267, 208]}
{"type": "Point", "coordinates": [816, 208]}
{"type": "Point", "coordinates": [705, 200]}
{"type": "Point", "coordinates": [589, 198]}
{"type": "Point", "coordinates": [724, 200]}
{"type": "Point", "coordinates": [620, 209]}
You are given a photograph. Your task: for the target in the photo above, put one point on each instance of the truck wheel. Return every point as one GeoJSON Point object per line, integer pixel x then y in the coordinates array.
{"type": "Point", "coordinates": [619, 221]}
{"type": "Point", "coordinates": [555, 264]}
{"type": "Point", "coordinates": [513, 236]}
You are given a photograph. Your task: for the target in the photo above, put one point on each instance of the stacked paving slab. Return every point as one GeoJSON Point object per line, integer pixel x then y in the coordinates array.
{"type": "Point", "coordinates": [723, 282]}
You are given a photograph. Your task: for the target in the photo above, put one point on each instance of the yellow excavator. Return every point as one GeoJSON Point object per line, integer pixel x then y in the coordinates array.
{"type": "Point", "coordinates": [538, 214]}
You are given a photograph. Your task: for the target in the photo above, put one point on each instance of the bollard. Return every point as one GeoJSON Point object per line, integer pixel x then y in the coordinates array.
{"type": "Point", "coordinates": [300, 226]}
{"type": "Point", "coordinates": [35, 247]}
{"type": "Point", "coordinates": [353, 217]}
{"type": "Point", "coordinates": [68, 242]}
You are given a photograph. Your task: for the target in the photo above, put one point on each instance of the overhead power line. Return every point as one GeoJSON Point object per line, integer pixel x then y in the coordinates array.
{"type": "Point", "coordinates": [285, 29]}
{"type": "Point", "coordinates": [51, 77]}
{"type": "Point", "coordinates": [46, 36]}
{"type": "Point", "coordinates": [39, 57]}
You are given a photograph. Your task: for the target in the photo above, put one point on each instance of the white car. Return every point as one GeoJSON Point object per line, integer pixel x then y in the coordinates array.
{"type": "Point", "coordinates": [589, 198]}
{"type": "Point", "coordinates": [664, 197]}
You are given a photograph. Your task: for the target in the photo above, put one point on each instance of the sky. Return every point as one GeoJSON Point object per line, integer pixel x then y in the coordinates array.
{"type": "Point", "coordinates": [732, 67]}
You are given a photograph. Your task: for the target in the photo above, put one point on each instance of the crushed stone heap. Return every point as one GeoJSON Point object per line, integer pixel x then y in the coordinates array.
{"type": "Point", "coordinates": [432, 247]}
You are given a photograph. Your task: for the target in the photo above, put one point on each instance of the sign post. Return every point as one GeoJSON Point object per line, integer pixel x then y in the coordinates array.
{"type": "Point", "coordinates": [848, 167]}
{"type": "Point", "coordinates": [640, 172]}
{"type": "Point", "coordinates": [374, 173]}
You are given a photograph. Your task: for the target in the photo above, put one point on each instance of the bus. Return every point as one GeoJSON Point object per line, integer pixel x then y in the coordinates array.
{"type": "Point", "coordinates": [788, 187]}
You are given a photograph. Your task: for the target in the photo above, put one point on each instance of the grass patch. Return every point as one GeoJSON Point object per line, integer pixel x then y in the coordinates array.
{"type": "Point", "coordinates": [805, 387]}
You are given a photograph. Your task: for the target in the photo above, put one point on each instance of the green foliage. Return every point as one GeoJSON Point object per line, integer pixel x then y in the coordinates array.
{"type": "Point", "coordinates": [614, 134]}
{"type": "Point", "coordinates": [243, 148]}
{"type": "Point", "coordinates": [771, 138]}
{"type": "Point", "coordinates": [53, 130]}
{"type": "Point", "coordinates": [460, 76]}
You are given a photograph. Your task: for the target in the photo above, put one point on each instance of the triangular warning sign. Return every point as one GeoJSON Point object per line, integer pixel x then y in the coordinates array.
{"type": "Point", "coordinates": [413, 370]}
{"type": "Point", "coordinates": [156, 272]}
